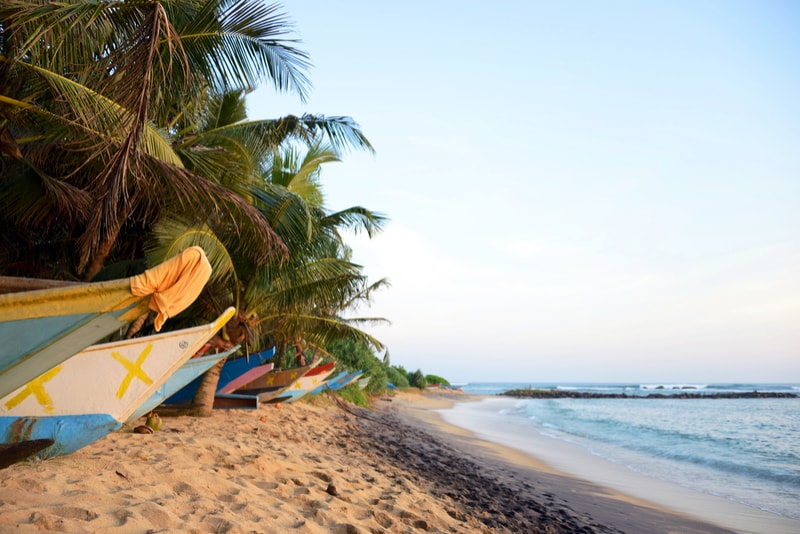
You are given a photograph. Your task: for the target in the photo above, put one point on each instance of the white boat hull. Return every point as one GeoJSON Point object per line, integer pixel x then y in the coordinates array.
{"type": "Point", "coordinates": [110, 378]}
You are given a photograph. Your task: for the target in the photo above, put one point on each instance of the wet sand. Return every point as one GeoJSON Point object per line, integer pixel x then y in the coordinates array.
{"type": "Point", "coordinates": [481, 418]}
{"type": "Point", "coordinates": [517, 493]}
{"type": "Point", "coordinates": [315, 467]}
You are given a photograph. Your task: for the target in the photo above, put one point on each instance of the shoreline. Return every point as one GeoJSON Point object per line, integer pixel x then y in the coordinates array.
{"type": "Point", "coordinates": [595, 507]}
{"type": "Point", "coordinates": [320, 467]}
{"type": "Point", "coordinates": [622, 484]}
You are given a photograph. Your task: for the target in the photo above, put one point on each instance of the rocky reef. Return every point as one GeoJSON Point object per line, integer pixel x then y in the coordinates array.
{"type": "Point", "coordinates": [561, 394]}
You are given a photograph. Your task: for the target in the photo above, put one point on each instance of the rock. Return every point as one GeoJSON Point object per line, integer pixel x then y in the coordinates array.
{"type": "Point", "coordinates": [331, 490]}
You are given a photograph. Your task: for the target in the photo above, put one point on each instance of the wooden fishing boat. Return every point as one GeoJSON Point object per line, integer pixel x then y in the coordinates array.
{"type": "Point", "coordinates": [330, 383]}
{"type": "Point", "coordinates": [68, 432]}
{"type": "Point", "coordinates": [99, 388]}
{"type": "Point", "coordinates": [232, 372]}
{"type": "Point", "coordinates": [305, 384]}
{"type": "Point", "coordinates": [246, 377]}
{"type": "Point", "coordinates": [41, 328]}
{"type": "Point", "coordinates": [342, 380]}
{"type": "Point", "coordinates": [264, 389]}
{"type": "Point", "coordinates": [352, 379]}
{"type": "Point", "coordinates": [189, 371]}
{"type": "Point", "coordinates": [363, 382]}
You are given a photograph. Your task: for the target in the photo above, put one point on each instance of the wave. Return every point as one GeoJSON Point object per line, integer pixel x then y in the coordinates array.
{"type": "Point", "coordinates": [497, 388]}
{"type": "Point", "coordinates": [751, 472]}
{"type": "Point", "coordinates": [744, 451]}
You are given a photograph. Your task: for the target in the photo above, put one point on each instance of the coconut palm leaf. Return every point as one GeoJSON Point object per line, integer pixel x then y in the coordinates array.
{"type": "Point", "coordinates": [86, 114]}
{"type": "Point", "coordinates": [356, 219]}
{"type": "Point", "coordinates": [236, 44]}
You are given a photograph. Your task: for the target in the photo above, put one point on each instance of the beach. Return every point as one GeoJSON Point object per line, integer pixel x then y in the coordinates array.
{"type": "Point", "coordinates": [319, 466]}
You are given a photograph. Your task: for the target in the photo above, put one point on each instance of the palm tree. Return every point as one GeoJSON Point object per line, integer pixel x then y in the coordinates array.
{"type": "Point", "coordinates": [86, 119]}
{"type": "Point", "coordinates": [297, 304]}
{"type": "Point", "coordinates": [117, 115]}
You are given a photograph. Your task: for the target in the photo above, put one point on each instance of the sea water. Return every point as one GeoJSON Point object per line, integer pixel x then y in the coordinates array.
{"type": "Point", "coordinates": [744, 450]}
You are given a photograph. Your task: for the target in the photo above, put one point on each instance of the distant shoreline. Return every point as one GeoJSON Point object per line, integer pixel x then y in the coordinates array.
{"type": "Point", "coordinates": [561, 394]}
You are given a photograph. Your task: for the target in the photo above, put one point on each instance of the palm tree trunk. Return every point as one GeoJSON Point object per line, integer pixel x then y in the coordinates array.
{"type": "Point", "coordinates": [136, 325]}
{"type": "Point", "coordinates": [279, 350]}
{"type": "Point", "coordinates": [98, 260]}
{"type": "Point", "coordinates": [203, 402]}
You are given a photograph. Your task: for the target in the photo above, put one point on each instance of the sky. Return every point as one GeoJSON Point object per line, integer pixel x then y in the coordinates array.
{"type": "Point", "coordinates": [577, 191]}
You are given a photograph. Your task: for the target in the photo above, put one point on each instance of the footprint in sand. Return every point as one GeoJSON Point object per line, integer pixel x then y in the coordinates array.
{"type": "Point", "coordinates": [229, 497]}
{"type": "Point", "coordinates": [345, 528]}
{"type": "Point", "coordinates": [184, 488]}
{"type": "Point", "coordinates": [32, 486]}
{"type": "Point", "coordinates": [383, 520]}
{"type": "Point", "coordinates": [45, 522]}
{"type": "Point", "coordinates": [70, 512]}
{"type": "Point", "coordinates": [122, 516]}
{"type": "Point", "coordinates": [322, 476]}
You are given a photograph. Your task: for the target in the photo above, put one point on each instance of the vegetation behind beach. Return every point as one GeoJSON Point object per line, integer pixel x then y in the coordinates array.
{"type": "Point", "coordinates": [125, 138]}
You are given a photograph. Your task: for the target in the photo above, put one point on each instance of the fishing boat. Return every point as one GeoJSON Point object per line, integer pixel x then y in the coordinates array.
{"type": "Point", "coordinates": [41, 328]}
{"type": "Point", "coordinates": [363, 382]}
{"type": "Point", "coordinates": [352, 378]}
{"type": "Point", "coordinates": [264, 389]}
{"type": "Point", "coordinates": [342, 380]}
{"type": "Point", "coordinates": [189, 371]}
{"type": "Point", "coordinates": [306, 383]}
{"type": "Point", "coordinates": [330, 383]}
{"type": "Point", "coordinates": [252, 365]}
{"type": "Point", "coordinates": [246, 377]}
{"type": "Point", "coordinates": [96, 391]}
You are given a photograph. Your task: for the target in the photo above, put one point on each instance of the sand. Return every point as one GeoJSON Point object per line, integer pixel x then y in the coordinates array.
{"type": "Point", "coordinates": [314, 467]}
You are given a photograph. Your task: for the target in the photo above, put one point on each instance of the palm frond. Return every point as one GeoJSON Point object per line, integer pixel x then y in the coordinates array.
{"type": "Point", "coordinates": [237, 44]}
{"type": "Point", "coordinates": [172, 236]}
{"type": "Point", "coordinates": [357, 219]}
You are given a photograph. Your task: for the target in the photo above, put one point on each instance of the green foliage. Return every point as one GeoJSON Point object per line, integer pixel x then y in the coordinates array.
{"type": "Point", "coordinates": [354, 395]}
{"type": "Point", "coordinates": [355, 355]}
{"type": "Point", "coordinates": [433, 379]}
{"type": "Point", "coordinates": [378, 377]}
{"type": "Point", "coordinates": [400, 369]}
{"type": "Point", "coordinates": [397, 377]}
{"type": "Point", "coordinates": [417, 380]}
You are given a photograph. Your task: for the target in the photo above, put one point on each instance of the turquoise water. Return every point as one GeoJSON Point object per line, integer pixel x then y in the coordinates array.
{"type": "Point", "coordinates": [744, 450]}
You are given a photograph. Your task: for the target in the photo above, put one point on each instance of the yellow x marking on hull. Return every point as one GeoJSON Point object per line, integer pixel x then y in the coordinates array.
{"type": "Point", "coordinates": [36, 388]}
{"type": "Point", "coordinates": [134, 369]}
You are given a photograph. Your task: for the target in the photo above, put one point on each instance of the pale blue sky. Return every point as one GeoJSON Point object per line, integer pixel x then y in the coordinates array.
{"type": "Point", "coordinates": [578, 191]}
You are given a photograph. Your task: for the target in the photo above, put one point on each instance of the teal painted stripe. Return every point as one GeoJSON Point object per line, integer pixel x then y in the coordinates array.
{"type": "Point", "coordinates": [70, 432]}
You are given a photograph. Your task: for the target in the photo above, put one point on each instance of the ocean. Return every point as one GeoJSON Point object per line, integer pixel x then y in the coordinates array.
{"type": "Point", "coordinates": [743, 450]}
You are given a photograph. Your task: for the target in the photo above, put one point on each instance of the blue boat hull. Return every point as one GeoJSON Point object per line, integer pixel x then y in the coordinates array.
{"type": "Point", "coordinates": [188, 372]}
{"type": "Point", "coordinates": [330, 384]}
{"type": "Point", "coordinates": [70, 432]}
{"type": "Point", "coordinates": [231, 370]}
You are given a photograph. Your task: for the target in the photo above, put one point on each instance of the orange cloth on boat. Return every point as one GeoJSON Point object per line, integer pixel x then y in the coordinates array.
{"type": "Point", "coordinates": [174, 284]}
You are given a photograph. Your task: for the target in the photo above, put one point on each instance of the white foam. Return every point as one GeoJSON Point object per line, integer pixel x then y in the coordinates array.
{"type": "Point", "coordinates": [484, 419]}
